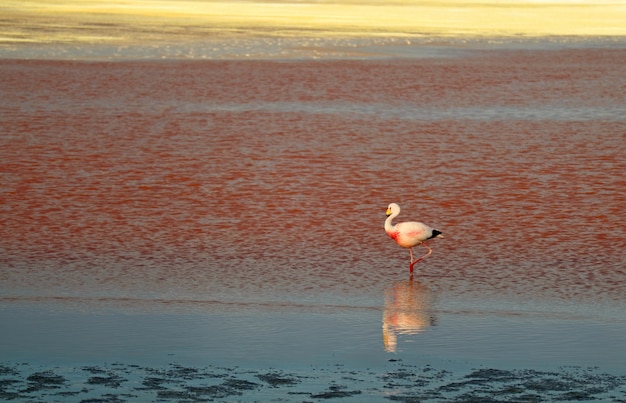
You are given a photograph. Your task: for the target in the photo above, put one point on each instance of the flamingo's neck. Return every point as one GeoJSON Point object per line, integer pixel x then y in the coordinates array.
{"type": "Point", "coordinates": [388, 225]}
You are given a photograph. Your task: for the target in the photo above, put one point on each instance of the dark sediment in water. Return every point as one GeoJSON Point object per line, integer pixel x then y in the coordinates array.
{"type": "Point", "coordinates": [118, 382]}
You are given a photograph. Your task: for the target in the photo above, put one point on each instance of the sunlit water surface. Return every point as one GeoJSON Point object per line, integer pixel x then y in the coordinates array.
{"type": "Point", "coordinates": [232, 211]}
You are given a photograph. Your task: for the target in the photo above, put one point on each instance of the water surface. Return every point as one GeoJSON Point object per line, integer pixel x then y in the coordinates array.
{"type": "Point", "coordinates": [232, 211]}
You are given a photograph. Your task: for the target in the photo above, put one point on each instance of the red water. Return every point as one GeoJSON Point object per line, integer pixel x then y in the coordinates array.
{"type": "Point", "coordinates": [248, 181]}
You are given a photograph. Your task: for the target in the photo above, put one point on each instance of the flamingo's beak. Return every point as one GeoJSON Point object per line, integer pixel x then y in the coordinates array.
{"type": "Point", "coordinates": [388, 213]}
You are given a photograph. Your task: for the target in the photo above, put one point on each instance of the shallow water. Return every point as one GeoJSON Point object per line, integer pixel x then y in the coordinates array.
{"type": "Point", "coordinates": [233, 210]}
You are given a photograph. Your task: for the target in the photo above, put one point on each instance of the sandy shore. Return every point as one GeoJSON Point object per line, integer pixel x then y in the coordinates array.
{"type": "Point", "coordinates": [44, 29]}
{"type": "Point", "coordinates": [131, 21]}
{"type": "Point", "coordinates": [399, 381]}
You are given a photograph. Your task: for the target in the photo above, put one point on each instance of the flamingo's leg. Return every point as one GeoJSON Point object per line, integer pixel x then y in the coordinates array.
{"type": "Point", "coordinates": [413, 262]}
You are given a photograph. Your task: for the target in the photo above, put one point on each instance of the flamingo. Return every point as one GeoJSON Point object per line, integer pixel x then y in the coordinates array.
{"type": "Point", "coordinates": [409, 234]}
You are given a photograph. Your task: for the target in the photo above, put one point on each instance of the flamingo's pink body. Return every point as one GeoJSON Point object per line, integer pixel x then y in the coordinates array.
{"type": "Point", "coordinates": [409, 234]}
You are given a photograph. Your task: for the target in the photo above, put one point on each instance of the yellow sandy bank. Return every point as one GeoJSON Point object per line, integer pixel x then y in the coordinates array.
{"type": "Point", "coordinates": [99, 20]}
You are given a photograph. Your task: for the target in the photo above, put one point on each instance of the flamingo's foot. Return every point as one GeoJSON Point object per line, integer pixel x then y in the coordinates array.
{"type": "Point", "coordinates": [413, 264]}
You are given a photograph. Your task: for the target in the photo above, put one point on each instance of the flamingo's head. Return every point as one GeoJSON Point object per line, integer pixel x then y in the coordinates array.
{"type": "Point", "coordinates": [393, 208]}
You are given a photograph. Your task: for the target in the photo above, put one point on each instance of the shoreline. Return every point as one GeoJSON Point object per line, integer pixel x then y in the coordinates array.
{"type": "Point", "coordinates": [276, 47]}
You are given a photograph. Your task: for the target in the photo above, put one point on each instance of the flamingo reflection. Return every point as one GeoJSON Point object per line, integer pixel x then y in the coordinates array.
{"type": "Point", "coordinates": [407, 311]}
